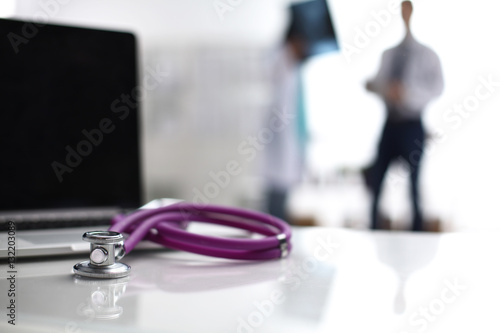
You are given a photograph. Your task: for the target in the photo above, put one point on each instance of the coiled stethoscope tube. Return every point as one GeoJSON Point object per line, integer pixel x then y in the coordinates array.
{"type": "Point", "coordinates": [167, 226]}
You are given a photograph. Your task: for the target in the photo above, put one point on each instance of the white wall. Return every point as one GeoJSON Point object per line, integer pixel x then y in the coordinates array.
{"type": "Point", "coordinates": [169, 21]}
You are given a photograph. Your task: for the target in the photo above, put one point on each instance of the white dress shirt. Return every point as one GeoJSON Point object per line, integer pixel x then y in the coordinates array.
{"type": "Point", "coordinates": [422, 78]}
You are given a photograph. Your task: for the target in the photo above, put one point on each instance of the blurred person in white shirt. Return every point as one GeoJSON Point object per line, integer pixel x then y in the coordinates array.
{"type": "Point", "coordinates": [410, 76]}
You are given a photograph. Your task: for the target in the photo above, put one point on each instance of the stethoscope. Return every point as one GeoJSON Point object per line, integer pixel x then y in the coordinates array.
{"type": "Point", "coordinates": [166, 225]}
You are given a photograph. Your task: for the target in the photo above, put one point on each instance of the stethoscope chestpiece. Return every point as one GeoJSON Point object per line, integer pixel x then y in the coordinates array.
{"type": "Point", "coordinates": [105, 248]}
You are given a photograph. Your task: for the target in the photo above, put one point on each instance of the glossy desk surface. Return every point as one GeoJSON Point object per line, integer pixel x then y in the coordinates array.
{"type": "Point", "coordinates": [334, 281]}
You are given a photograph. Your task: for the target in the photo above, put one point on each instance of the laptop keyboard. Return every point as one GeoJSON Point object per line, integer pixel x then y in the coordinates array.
{"type": "Point", "coordinates": [54, 224]}
{"type": "Point", "coordinates": [34, 225]}
{"type": "Point", "coordinates": [57, 219]}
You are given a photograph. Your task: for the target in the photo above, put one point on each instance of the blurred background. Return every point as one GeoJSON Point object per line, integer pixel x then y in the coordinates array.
{"type": "Point", "coordinates": [215, 92]}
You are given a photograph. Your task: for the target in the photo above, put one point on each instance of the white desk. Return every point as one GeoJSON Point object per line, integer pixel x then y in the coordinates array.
{"type": "Point", "coordinates": [334, 281]}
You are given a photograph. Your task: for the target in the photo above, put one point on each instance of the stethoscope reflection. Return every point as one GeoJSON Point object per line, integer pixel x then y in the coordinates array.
{"type": "Point", "coordinates": [405, 255]}
{"type": "Point", "coordinates": [172, 275]}
{"type": "Point", "coordinates": [103, 297]}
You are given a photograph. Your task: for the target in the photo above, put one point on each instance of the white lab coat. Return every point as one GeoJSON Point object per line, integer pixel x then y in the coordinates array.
{"type": "Point", "coordinates": [284, 155]}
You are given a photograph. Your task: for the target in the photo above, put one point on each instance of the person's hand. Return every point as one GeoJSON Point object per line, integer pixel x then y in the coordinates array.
{"type": "Point", "coordinates": [394, 93]}
{"type": "Point", "coordinates": [370, 86]}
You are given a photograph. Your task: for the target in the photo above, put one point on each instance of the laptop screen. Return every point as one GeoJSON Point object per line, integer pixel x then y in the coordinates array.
{"type": "Point", "coordinates": [68, 118]}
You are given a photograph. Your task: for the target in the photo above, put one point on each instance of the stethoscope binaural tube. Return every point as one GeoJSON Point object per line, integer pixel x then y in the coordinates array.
{"type": "Point", "coordinates": [167, 226]}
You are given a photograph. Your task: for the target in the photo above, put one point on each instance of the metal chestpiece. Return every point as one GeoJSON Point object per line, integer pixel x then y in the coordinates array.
{"type": "Point", "coordinates": [106, 247]}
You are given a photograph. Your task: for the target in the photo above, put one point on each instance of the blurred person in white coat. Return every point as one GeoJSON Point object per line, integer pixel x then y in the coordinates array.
{"type": "Point", "coordinates": [285, 152]}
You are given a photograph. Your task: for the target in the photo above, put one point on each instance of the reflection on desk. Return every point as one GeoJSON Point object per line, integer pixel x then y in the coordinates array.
{"type": "Point", "coordinates": [334, 281]}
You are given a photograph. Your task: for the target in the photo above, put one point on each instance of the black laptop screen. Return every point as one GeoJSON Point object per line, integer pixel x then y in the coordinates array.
{"type": "Point", "coordinates": [68, 117]}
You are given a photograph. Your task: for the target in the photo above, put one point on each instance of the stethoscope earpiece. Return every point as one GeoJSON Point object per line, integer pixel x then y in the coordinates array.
{"type": "Point", "coordinates": [106, 247]}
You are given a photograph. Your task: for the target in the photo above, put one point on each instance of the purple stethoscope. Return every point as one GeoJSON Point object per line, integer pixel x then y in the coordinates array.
{"type": "Point", "coordinates": [166, 225]}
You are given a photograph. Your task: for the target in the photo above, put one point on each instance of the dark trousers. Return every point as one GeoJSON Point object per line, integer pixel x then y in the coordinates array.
{"type": "Point", "coordinates": [276, 203]}
{"type": "Point", "coordinates": [401, 140]}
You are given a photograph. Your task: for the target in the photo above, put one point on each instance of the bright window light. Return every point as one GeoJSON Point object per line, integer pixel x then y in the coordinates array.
{"type": "Point", "coordinates": [7, 8]}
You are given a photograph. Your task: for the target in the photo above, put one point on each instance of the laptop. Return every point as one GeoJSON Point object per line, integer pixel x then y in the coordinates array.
{"type": "Point", "coordinates": [69, 133]}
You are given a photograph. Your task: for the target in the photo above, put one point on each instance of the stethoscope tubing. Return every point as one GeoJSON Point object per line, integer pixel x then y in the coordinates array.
{"type": "Point", "coordinates": [166, 226]}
